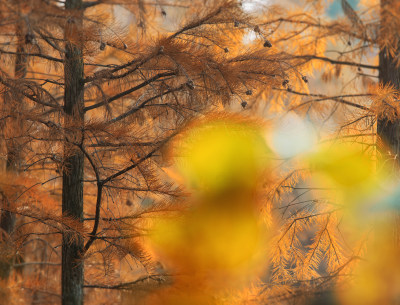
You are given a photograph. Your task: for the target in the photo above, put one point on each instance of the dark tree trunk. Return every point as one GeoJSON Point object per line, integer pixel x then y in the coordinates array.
{"type": "Point", "coordinates": [72, 189]}
{"type": "Point", "coordinates": [389, 131]}
{"type": "Point", "coordinates": [14, 159]}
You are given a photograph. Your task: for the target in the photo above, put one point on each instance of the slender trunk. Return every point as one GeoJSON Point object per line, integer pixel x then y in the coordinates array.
{"type": "Point", "coordinates": [14, 157]}
{"type": "Point", "coordinates": [72, 188]}
{"type": "Point", "coordinates": [389, 131]}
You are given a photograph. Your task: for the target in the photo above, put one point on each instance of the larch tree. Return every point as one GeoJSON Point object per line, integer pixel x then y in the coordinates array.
{"type": "Point", "coordinates": [350, 91]}
{"type": "Point", "coordinates": [102, 96]}
{"type": "Point", "coordinates": [13, 143]}
{"type": "Point", "coordinates": [90, 100]}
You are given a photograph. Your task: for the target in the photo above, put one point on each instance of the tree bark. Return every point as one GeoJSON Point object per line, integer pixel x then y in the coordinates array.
{"type": "Point", "coordinates": [14, 158]}
{"type": "Point", "coordinates": [389, 130]}
{"type": "Point", "coordinates": [72, 188]}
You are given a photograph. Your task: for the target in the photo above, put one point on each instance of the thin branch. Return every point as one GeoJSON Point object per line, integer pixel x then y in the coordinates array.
{"type": "Point", "coordinates": [2, 51]}
{"type": "Point", "coordinates": [88, 4]}
{"type": "Point", "coordinates": [128, 285]}
{"type": "Point", "coordinates": [338, 62]}
{"type": "Point", "coordinates": [197, 23]}
{"type": "Point", "coordinates": [36, 263]}
{"type": "Point", "coordinates": [143, 104]}
{"type": "Point", "coordinates": [126, 92]}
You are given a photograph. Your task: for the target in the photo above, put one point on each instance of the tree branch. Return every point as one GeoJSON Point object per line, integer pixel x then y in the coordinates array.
{"type": "Point", "coordinates": [33, 55]}
{"type": "Point", "coordinates": [88, 4]}
{"type": "Point", "coordinates": [338, 62]}
{"type": "Point", "coordinates": [143, 104]}
{"type": "Point", "coordinates": [126, 92]}
{"type": "Point", "coordinates": [128, 285]}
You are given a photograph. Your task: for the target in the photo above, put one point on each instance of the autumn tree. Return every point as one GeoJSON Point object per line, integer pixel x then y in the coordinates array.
{"type": "Point", "coordinates": [93, 92]}
{"type": "Point", "coordinates": [101, 101]}
{"type": "Point", "coordinates": [12, 143]}
{"type": "Point", "coordinates": [348, 87]}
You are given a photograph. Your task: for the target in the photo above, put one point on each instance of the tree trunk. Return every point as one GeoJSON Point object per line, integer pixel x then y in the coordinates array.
{"type": "Point", "coordinates": [14, 157]}
{"type": "Point", "coordinates": [72, 188]}
{"type": "Point", "coordinates": [389, 131]}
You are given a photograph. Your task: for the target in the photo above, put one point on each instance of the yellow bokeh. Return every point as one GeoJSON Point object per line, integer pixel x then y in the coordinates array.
{"type": "Point", "coordinates": [218, 239]}
{"type": "Point", "coordinates": [210, 242]}
{"type": "Point", "coordinates": [376, 279]}
{"type": "Point", "coordinates": [221, 156]}
{"type": "Point", "coordinates": [350, 180]}
{"type": "Point", "coordinates": [344, 166]}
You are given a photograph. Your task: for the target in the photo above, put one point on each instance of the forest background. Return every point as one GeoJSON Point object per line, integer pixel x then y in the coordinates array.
{"type": "Point", "coordinates": [199, 152]}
